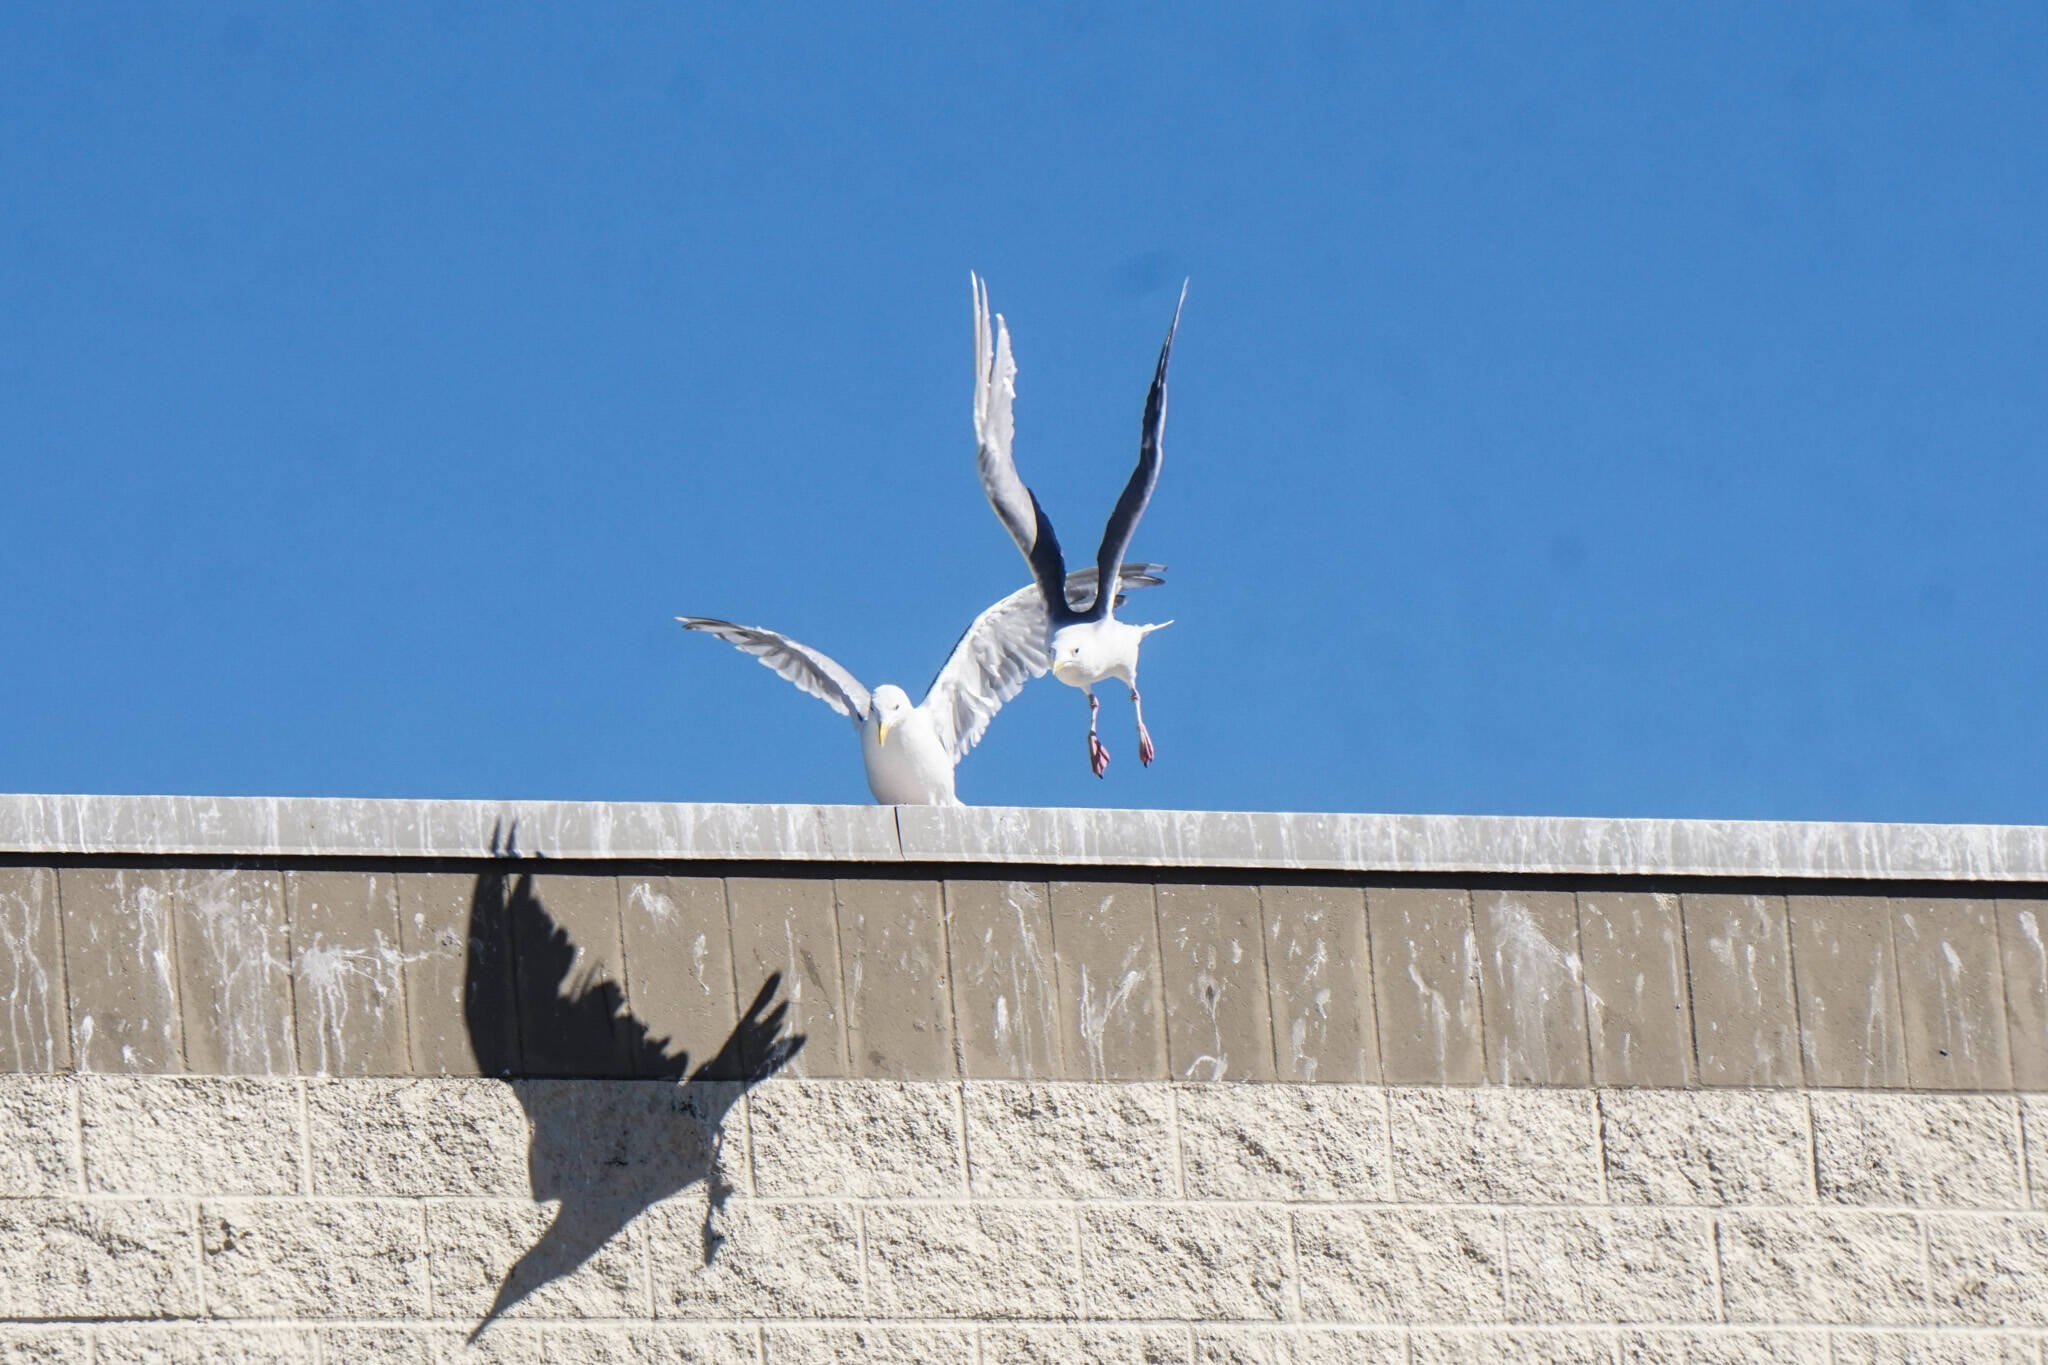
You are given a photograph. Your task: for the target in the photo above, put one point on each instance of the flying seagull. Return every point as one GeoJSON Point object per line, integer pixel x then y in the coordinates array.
{"type": "Point", "coordinates": [1088, 645]}
{"type": "Point", "coordinates": [911, 751]}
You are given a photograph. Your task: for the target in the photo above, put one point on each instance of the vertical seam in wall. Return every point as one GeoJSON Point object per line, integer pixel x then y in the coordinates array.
{"type": "Point", "coordinates": [1372, 991]}
{"type": "Point", "coordinates": [619, 1052]}
{"type": "Point", "coordinates": [291, 977]}
{"type": "Point", "coordinates": [305, 1138]}
{"type": "Point", "coordinates": [2019, 1128]}
{"type": "Point", "coordinates": [1808, 1071]}
{"type": "Point", "coordinates": [860, 1232]}
{"type": "Point", "coordinates": [1180, 1174]}
{"type": "Point", "coordinates": [1891, 933]}
{"type": "Point", "coordinates": [2004, 1004]}
{"type": "Point", "coordinates": [1585, 1003]}
{"type": "Point", "coordinates": [1594, 1098]}
{"type": "Point", "coordinates": [77, 1089]}
{"type": "Point", "coordinates": [746, 1101]}
{"type": "Point", "coordinates": [198, 1239]}
{"type": "Point", "coordinates": [1159, 1005]}
{"type": "Point", "coordinates": [63, 977]}
{"type": "Point", "coordinates": [845, 1011]}
{"type": "Point", "coordinates": [1266, 962]}
{"type": "Point", "coordinates": [1478, 979]}
{"type": "Point", "coordinates": [1812, 1147]}
{"type": "Point", "coordinates": [959, 1045]}
{"type": "Point", "coordinates": [427, 1259]}
{"type": "Point", "coordinates": [1926, 1261]}
{"type": "Point", "coordinates": [177, 973]}
{"type": "Point", "coordinates": [404, 991]}
{"type": "Point", "coordinates": [1294, 1265]}
{"type": "Point", "coordinates": [1714, 1266]}
{"type": "Point", "coordinates": [1692, 1021]}
{"type": "Point", "coordinates": [1387, 1129]}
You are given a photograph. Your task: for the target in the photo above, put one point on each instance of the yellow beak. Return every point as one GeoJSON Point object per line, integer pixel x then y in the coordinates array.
{"type": "Point", "coordinates": [882, 732]}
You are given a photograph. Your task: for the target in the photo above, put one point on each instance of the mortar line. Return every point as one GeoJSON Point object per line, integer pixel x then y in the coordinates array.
{"type": "Point", "coordinates": [1926, 1261]}
{"type": "Point", "coordinates": [1714, 1275]}
{"type": "Point", "coordinates": [959, 1044]}
{"type": "Point", "coordinates": [63, 976]}
{"type": "Point", "coordinates": [1266, 964]}
{"type": "Point", "coordinates": [1599, 1147]}
{"type": "Point", "coordinates": [1294, 1264]}
{"type": "Point", "coordinates": [427, 1260]}
{"type": "Point", "coordinates": [746, 1102]}
{"type": "Point", "coordinates": [1478, 979]}
{"type": "Point", "coordinates": [305, 1138]}
{"type": "Point", "coordinates": [78, 1130]}
{"type": "Point", "coordinates": [1812, 1151]}
{"type": "Point", "coordinates": [1585, 987]}
{"type": "Point", "coordinates": [2019, 1129]}
{"type": "Point", "coordinates": [1692, 1022]}
{"type": "Point", "coordinates": [291, 975]}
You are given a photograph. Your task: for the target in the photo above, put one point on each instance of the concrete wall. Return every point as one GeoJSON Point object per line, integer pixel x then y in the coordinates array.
{"type": "Point", "coordinates": [347, 1081]}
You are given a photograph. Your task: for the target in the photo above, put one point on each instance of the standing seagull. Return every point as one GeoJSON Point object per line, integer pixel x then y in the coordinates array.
{"type": "Point", "coordinates": [1088, 645]}
{"type": "Point", "coordinates": [911, 751]}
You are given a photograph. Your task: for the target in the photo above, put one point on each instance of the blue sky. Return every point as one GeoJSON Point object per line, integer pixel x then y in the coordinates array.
{"type": "Point", "coordinates": [1630, 410]}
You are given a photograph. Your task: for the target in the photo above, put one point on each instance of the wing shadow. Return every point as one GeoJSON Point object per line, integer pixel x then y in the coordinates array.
{"type": "Point", "coordinates": [605, 1151]}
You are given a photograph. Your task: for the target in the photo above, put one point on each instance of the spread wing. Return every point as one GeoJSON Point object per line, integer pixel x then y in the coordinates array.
{"type": "Point", "coordinates": [995, 393]}
{"type": "Point", "coordinates": [1003, 650]}
{"type": "Point", "coordinates": [811, 671]}
{"type": "Point", "coordinates": [1123, 522]}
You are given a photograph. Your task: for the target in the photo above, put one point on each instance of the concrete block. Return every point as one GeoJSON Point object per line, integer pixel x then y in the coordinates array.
{"type": "Point", "coordinates": [792, 1345]}
{"type": "Point", "coordinates": [589, 1267]}
{"type": "Point", "coordinates": [1244, 1346]}
{"type": "Point", "coordinates": [777, 1261]}
{"type": "Point", "coordinates": [504, 1343]}
{"type": "Point", "coordinates": [1580, 1346]}
{"type": "Point", "coordinates": [892, 948]}
{"type": "Point", "coordinates": [22, 1344]}
{"type": "Point", "coordinates": [1936, 1348]}
{"type": "Point", "coordinates": [2023, 959]}
{"type": "Point", "coordinates": [190, 1135]}
{"type": "Point", "coordinates": [121, 969]}
{"type": "Point", "coordinates": [1283, 1142]}
{"type": "Point", "coordinates": [186, 1343]}
{"type": "Point", "coordinates": [401, 1345]}
{"type": "Point", "coordinates": [1851, 1026]}
{"type": "Point", "coordinates": [1005, 986]}
{"type": "Point", "coordinates": [1106, 943]}
{"type": "Point", "coordinates": [234, 969]}
{"type": "Point", "coordinates": [396, 1138]}
{"type": "Point", "coordinates": [787, 925]}
{"type": "Point", "coordinates": [1201, 1262]}
{"type": "Point", "coordinates": [963, 1261]}
{"type": "Point", "coordinates": [1401, 1265]}
{"type": "Point", "coordinates": [1954, 993]}
{"type": "Point", "coordinates": [39, 1153]}
{"type": "Point", "coordinates": [1092, 1343]}
{"type": "Point", "coordinates": [1213, 958]}
{"type": "Point", "coordinates": [1532, 987]}
{"type": "Point", "coordinates": [1745, 1028]}
{"type": "Point", "coordinates": [570, 967]}
{"type": "Point", "coordinates": [456, 972]}
{"type": "Point", "coordinates": [1425, 969]}
{"type": "Point", "coordinates": [1491, 1146]}
{"type": "Point", "coordinates": [34, 1034]}
{"type": "Point", "coordinates": [862, 1139]}
{"type": "Point", "coordinates": [1989, 1270]}
{"type": "Point", "coordinates": [1320, 970]}
{"type": "Point", "coordinates": [68, 1258]}
{"type": "Point", "coordinates": [679, 984]}
{"type": "Point", "coordinates": [346, 965]}
{"type": "Point", "coordinates": [1067, 1141]}
{"type": "Point", "coordinates": [1939, 1151]}
{"type": "Point", "coordinates": [630, 1140]}
{"type": "Point", "coordinates": [1705, 1147]}
{"type": "Point", "coordinates": [1638, 1002]}
{"type": "Point", "coordinates": [295, 1258]}
{"type": "Point", "coordinates": [1708, 1345]}
{"type": "Point", "coordinates": [612, 1344]}
{"type": "Point", "coordinates": [1822, 1266]}
{"type": "Point", "coordinates": [1350, 1346]}
{"type": "Point", "coordinates": [675, 1345]}
{"type": "Point", "coordinates": [1599, 1265]}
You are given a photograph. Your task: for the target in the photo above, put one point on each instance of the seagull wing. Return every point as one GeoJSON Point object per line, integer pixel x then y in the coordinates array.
{"type": "Point", "coordinates": [811, 671]}
{"type": "Point", "coordinates": [1000, 652]}
{"type": "Point", "coordinates": [995, 393]}
{"type": "Point", "coordinates": [1123, 522]}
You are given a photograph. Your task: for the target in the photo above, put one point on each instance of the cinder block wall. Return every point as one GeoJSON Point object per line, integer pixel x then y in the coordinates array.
{"type": "Point", "coordinates": [356, 1082]}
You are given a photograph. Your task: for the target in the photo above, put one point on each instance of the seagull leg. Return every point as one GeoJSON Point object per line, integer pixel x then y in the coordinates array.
{"type": "Point", "coordinates": [1098, 757]}
{"type": "Point", "coordinates": [1145, 749]}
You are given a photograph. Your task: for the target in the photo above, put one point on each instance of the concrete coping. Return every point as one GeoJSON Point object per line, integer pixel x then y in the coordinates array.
{"type": "Point", "coordinates": [324, 827]}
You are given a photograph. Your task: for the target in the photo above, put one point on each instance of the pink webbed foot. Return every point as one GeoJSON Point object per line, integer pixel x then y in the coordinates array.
{"type": "Point", "coordinates": [1098, 757]}
{"type": "Point", "coordinates": [1146, 752]}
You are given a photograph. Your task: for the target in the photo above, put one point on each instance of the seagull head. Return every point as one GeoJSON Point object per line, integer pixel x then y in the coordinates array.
{"type": "Point", "coordinates": [892, 708]}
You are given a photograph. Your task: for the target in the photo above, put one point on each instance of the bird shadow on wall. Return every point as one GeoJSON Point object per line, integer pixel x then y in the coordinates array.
{"type": "Point", "coordinates": [606, 1151]}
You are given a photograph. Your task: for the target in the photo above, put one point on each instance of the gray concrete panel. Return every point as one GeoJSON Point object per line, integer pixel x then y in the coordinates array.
{"type": "Point", "coordinates": [1425, 969]}
{"type": "Point", "coordinates": [234, 972]}
{"type": "Point", "coordinates": [1321, 978]}
{"type": "Point", "coordinates": [1851, 1024]}
{"type": "Point", "coordinates": [1005, 984]}
{"type": "Point", "coordinates": [1952, 986]}
{"type": "Point", "coordinates": [679, 984]}
{"type": "Point", "coordinates": [34, 1033]}
{"type": "Point", "coordinates": [1105, 937]}
{"type": "Point", "coordinates": [1218, 1009]}
{"type": "Point", "coordinates": [892, 946]}
{"type": "Point", "coordinates": [1531, 987]}
{"type": "Point", "coordinates": [788, 926]}
{"type": "Point", "coordinates": [121, 969]}
{"type": "Point", "coordinates": [570, 968]}
{"type": "Point", "coordinates": [456, 974]}
{"type": "Point", "coordinates": [2023, 954]}
{"type": "Point", "coordinates": [347, 961]}
{"type": "Point", "coordinates": [1745, 1030]}
{"type": "Point", "coordinates": [1638, 1006]}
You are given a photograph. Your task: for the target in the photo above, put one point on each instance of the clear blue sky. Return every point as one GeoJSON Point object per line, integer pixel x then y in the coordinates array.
{"type": "Point", "coordinates": [1629, 410]}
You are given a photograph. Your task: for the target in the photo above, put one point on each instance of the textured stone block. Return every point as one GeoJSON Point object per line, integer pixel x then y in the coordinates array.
{"type": "Point", "coordinates": [74, 1259]}
{"type": "Point", "coordinates": [864, 1139]}
{"type": "Point", "coordinates": [346, 963]}
{"type": "Point", "coordinates": [1092, 1343]}
{"type": "Point", "coordinates": [31, 1345]}
{"type": "Point", "coordinates": [963, 1261]}
{"type": "Point", "coordinates": [416, 1138]}
{"type": "Point", "coordinates": [569, 965]}
{"type": "Point", "coordinates": [786, 925]}
{"type": "Point", "coordinates": [1638, 1003]}
{"type": "Point", "coordinates": [1705, 1147]}
{"type": "Point", "coordinates": [777, 1261]}
{"type": "Point", "coordinates": [1531, 987]}
{"type": "Point", "coordinates": [1745, 1029]}
{"type": "Point", "coordinates": [2023, 960]}
{"type": "Point", "coordinates": [1573, 1347]}
{"type": "Point", "coordinates": [1352, 1346]}
{"type": "Point", "coordinates": [1954, 995]}
{"type": "Point", "coordinates": [701, 1346]}
{"type": "Point", "coordinates": [679, 982]}
{"type": "Point", "coordinates": [34, 1034]}
{"type": "Point", "coordinates": [1070, 1141]}
{"type": "Point", "coordinates": [1214, 1263]}
{"type": "Point", "coordinates": [121, 970]}
{"type": "Point", "coordinates": [38, 1137]}
{"type": "Point", "coordinates": [858, 1345]}
{"type": "Point", "coordinates": [580, 1260]}
{"type": "Point", "coordinates": [1401, 1265]}
{"type": "Point", "coordinates": [1005, 985]}
{"type": "Point", "coordinates": [234, 968]}
{"type": "Point", "coordinates": [1860, 1268]}
{"type": "Point", "coordinates": [1243, 1346]}
{"type": "Point", "coordinates": [403, 1345]}
{"type": "Point", "coordinates": [1722, 1346]}
{"type": "Point", "coordinates": [1320, 970]}
{"type": "Point", "coordinates": [635, 1141]}
{"type": "Point", "coordinates": [1283, 1142]}
{"type": "Point", "coordinates": [456, 973]}
{"type": "Point", "coordinates": [1596, 1265]}
{"type": "Point", "coordinates": [1935, 1150]}
{"type": "Point", "coordinates": [1989, 1270]}
{"type": "Point", "coordinates": [504, 1343]}
{"type": "Point", "coordinates": [899, 1012]}
{"type": "Point", "coordinates": [1494, 1146]}
{"type": "Point", "coordinates": [1213, 956]}
{"type": "Point", "coordinates": [295, 1258]}
{"type": "Point", "coordinates": [1425, 969]}
{"type": "Point", "coordinates": [1851, 1025]}
{"type": "Point", "coordinates": [1106, 942]}
{"type": "Point", "coordinates": [190, 1135]}
{"type": "Point", "coordinates": [1935, 1348]}
{"type": "Point", "coordinates": [205, 1344]}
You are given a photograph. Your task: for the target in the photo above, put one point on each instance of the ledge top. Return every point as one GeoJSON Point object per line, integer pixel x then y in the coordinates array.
{"type": "Point", "coordinates": [319, 827]}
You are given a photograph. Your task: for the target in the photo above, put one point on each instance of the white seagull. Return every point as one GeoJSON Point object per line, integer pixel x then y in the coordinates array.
{"type": "Point", "coordinates": [1088, 645]}
{"type": "Point", "coordinates": [911, 751]}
